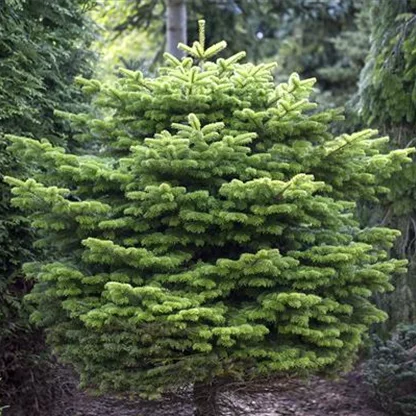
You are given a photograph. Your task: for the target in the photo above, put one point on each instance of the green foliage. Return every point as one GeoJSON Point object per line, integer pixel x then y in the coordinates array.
{"type": "Point", "coordinates": [341, 73]}
{"type": "Point", "coordinates": [133, 49]}
{"type": "Point", "coordinates": [15, 249]}
{"type": "Point", "coordinates": [387, 91]}
{"type": "Point", "coordinates": [212, 233]}
{"type": "Point", "coordinates": [308, 36]}
{"type": "Point", "coordinates": [299, 31]}
{"type": "Point", "coordinates": [391, 372]}
{"type": "Point", "coordinates": [234, 21]}
{"type": "Point", "coordinates": [42, 48]}
{"type": "Point", "coordinates": [326, 39]}
{"type": "Point", "coordinates": [387, 101]}
{"type": "Point", "coordinates": [387, 97]}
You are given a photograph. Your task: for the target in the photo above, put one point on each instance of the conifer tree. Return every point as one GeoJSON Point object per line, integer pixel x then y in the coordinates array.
{"type": "Point", "coordinates": [43, 45]}
{"type": "Point", "coordinates": [212, 236]}
{"type": "Point", "coordinates": [387, 100]}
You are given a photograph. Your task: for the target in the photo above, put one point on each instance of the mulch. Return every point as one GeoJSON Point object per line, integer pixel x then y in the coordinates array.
{"type": "Point", "coordinates": [315, 397]}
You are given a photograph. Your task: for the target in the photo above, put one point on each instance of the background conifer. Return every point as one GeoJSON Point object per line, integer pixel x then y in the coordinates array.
{"type": "Point", "coordinates": [387, 100]}
{"type": "Point", "coordinates": [43, 45]}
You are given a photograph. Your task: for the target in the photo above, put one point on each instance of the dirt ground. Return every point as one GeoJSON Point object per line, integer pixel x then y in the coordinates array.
{"type": "Point", "coordinates": [317, 397]}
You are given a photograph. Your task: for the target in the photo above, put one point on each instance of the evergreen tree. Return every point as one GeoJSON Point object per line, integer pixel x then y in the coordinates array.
{"type": "Point", "coordinates": [387, 101]}
{"type": "Point", "coordinates": [42, 47]}
{"type": "Point", "coordinates": [211, 236]}
{"type": "Point", "coordinates": [387, 83]}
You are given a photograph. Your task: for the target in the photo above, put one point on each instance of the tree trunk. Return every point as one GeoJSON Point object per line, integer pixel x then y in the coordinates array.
{"type": "Point", "coordinates": [205, 399]}
{"type": "Point", "coordinates": [176, 26]}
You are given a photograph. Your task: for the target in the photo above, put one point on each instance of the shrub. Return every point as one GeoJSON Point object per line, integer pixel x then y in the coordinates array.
{"type": "Point", "coordinates": [390, 373]}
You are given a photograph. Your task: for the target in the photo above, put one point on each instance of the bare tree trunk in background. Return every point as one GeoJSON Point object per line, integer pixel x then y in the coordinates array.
{"type": "Point", "coordinates": [176, 26]}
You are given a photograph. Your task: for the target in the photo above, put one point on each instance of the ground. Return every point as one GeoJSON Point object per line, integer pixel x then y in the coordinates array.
{"type": "Point", "coordinates": [317, 397]}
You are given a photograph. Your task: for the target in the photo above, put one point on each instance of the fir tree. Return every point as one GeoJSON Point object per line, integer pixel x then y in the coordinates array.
{"type": "Point", "coordinates": [212, 236]}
